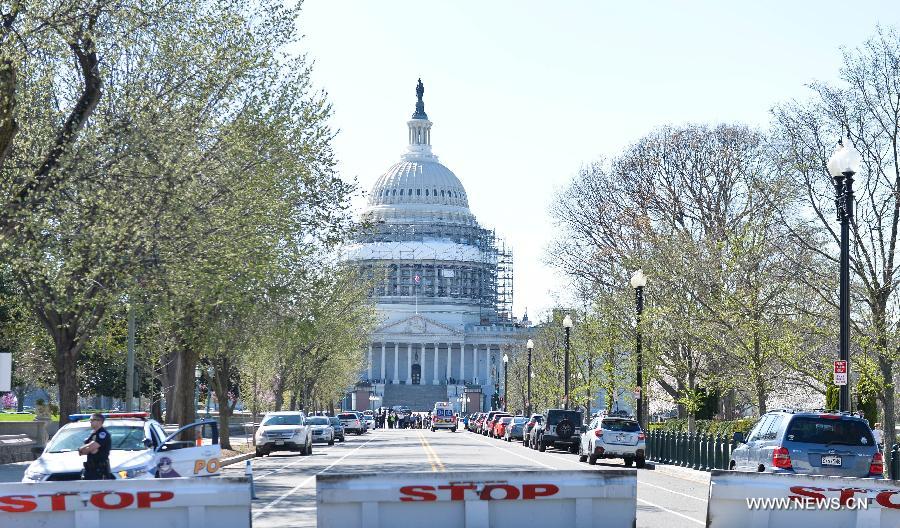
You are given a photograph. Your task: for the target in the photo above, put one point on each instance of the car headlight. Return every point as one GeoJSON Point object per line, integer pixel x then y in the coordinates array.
{"type": "Point", "coordinates": [298, 431]}
{"type": "Point", "coordinates": [35, 476]}
{"type": "Point", "coordinates": [127, 473]}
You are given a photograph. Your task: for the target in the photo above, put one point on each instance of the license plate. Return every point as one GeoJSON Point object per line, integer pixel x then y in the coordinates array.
{"type": "Point", "coordinates": [620, 438]}
{"type": "Point", "coordinates": [831, 460]}
{"type": "Point", "coordinates": [279, 442]}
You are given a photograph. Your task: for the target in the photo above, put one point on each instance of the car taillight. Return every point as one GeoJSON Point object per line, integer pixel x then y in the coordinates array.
{"type": "Point", "coordinates": [877, 465]}
{"type": "Point", "coordinates": [641, 436]}
{"type": "Point", "coordinates": [830, 416]}
{"type": "Point", "coordinates": [598, 433]}
{"type": "Point", "coordinates": [781, 458]}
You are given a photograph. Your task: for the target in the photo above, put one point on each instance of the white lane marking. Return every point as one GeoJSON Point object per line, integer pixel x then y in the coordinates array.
{"type": "Point", "coordinates": [298, 461]}
{"type": "Point", "coordinates": [308, 479]}
{"type": "Point", "coordinates": [673, 491]}
{"type": "Point", "coordinates": [667, 510]}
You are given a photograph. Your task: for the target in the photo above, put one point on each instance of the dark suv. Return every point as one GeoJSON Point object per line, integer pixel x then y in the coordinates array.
{"type": "Point", "coordinates": [562, 429]}
{"type": "Point", "coordinates": [809, 442]}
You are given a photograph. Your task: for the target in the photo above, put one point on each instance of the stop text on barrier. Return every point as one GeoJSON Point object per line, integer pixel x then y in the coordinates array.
{"type": "Point", "coordinates": [104, 500]}
{"type": "Point", "coordinates": [496, 491]}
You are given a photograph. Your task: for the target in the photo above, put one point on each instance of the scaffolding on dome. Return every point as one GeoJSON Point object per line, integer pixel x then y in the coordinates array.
{"type": "Point", "coordinates": [486, 282]}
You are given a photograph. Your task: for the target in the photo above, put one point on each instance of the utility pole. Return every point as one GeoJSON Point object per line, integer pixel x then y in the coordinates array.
{"type": "Point", "coordinates": [129, 362]}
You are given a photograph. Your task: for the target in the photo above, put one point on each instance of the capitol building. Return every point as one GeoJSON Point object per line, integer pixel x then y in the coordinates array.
{"type": "Point", "coordinates": [442, 284]}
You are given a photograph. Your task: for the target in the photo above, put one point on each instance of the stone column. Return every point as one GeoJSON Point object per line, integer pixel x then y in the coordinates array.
{"type": "Point", "coordinates": [409, 363]}
{"type": "Point", "coordinates": [382, 361]}
{"type": "Point", "coordinates": [371, 364]}
{"type": "Point", "coordinates": [462, 361]}
{"type": "Point", "coordinates": [395, 380]}
{"type": "Point", "coordinates": [449, 358]}
{"type": "Point", "coordinates": [434, 379]}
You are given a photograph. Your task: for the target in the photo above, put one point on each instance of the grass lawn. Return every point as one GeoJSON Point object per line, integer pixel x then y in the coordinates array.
{"type": "Point", "coordinates": [8, 417]}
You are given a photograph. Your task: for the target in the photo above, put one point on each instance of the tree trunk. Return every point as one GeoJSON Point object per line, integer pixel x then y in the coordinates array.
{"type": "Point", "coordinates": [184, 410]}
{"type": "Point", "coordinates": [220, 383]}
{"type": "Point", "coordinates": [66, 379]}
{"type": "Point", "coordinates": [168, 369]}
{"type": "Point", "coordinates": [293, 400]}
{"type": "Point", "coordinates": [278, 391]}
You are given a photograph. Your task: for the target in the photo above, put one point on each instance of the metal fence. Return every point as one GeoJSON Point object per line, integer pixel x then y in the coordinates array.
{"type": "Point", "coordinates": [702, 452]}
{"type": "Point", "coordinates": [706, 452]}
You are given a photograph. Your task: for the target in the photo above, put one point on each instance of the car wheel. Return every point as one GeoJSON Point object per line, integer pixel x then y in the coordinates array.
{"type": "Point", "coordinates": [309, 447]}
{"type": "Point", "coordinates": [342, 439]}
{"type": "Point", "coordinates": [640, 463]}
{"type": "Point", "coordinates": [628, 461]}
{"type": "Point", "coordinates": [581, 456]}
{"type": "Point", "coordinates": [541, 445]}
{"type": "Point", "coordinates": [433, 429]}
{"type": "Point", "coordinates": [331, 442]}
{"type": "Point", "coordinates": [592, 459]}
{"type": "Point", "coordinates": [453, 429]}
{"type": "Point", "coordinates": [573, 449]}
{"type": "Point", "coordinates": [260, 452]}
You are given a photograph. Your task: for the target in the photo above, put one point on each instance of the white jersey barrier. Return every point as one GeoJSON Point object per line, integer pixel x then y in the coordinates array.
{"type": "Point", "coordinates": [766, 500]}
{"type": "Point", "coordinates": [502, 499]}
{"type": "Point", "coordinates": [175, 502]}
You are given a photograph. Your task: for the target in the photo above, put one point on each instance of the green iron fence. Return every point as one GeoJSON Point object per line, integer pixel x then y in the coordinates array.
{"type": "Point", "coordinates": [702, 452]}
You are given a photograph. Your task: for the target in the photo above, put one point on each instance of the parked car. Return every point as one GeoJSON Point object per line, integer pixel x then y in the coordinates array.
{"type": "Point", "coordinates": [362, 420]}
{"type": "Point", "coordinates": [500, 426]}
{"type": "Point", "coordinates": [809, 442]}
{"type": "Point", "coordinates": [562, 429]}
{"type": "Point", "coordinates": [370, 419]}
{"type": "Point", "coordinates": [479, 423]}
{"type": "Point", "coordinates": [536, 432]}
{"type": "Point", "coordinates": [529, 427]}
{"type": "Point", "coordinates": [352, 423]}
{"type": "Point", "coordinates": [338, 428]}
{"type": "Point", "coordinates": [515, 428]}
{"type": "Point", "coordinates": [443, 417]}
{"type": "Point", "coordinates": [491, 421]}
{"type": "Point", "coordinates": [321, 429]}
{"type": "Point", "coordinates": [612, 437]}
{"type": "Point", "coordinates": [140, 450]}
{"type": "Point", "coordinates": [473, 421]}
{"type": "Point", "coordinates": [283, 431]}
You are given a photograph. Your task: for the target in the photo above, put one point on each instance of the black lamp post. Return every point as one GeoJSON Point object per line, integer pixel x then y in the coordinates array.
{"type": "Point", "coordinates": [567, 323]}
{"type": "Point", "coordinates": [530, 346]}
{"type": "Point", "coordinates": [505, 382]}
{"type": "Point", "coordinates": [638, 281]}
{"type": "Point", "coordinates": [842, 165]}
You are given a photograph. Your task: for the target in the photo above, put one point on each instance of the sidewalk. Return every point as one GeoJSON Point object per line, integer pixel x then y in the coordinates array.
{"type": "Point", "coordinates": [695, 475]}
{"type": "Point", "coordinates": [12, 472]}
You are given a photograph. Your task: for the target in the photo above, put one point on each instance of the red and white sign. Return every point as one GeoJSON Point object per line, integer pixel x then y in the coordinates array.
{"type": "Point", "coordinates": [840, 372]}
{"type": "Point", "coordinates": [182, 502]}
{"type": "Point", "coordinates": [500, 499]}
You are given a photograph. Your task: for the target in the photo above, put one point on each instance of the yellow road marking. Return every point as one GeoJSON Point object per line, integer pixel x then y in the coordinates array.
{"type": "Point", "coordinates": [433, 458]}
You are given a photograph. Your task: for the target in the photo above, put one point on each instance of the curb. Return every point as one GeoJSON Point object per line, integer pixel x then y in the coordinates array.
{"type": "Point", "coordinates": [680, 472]}
{"type": "Point", "coordinates": [236, 459]}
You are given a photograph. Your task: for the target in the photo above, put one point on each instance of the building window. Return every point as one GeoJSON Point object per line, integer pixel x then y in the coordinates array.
{"type": "Point", "coordinates": [410, 192]}
{"type": "Point", "coordinates": [401, 192]}
{"type": "Point", "coordinates": [395, 192]}
{"type": "Point", "coordinates": [426, 192]}
{"type": "Point", "coordinates": [442, 193]}
{"type": "Point", "coordinates": [418, 192]}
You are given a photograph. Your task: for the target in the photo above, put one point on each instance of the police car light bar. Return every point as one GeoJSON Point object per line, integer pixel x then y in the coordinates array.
{"type": "Point", "coordinates": [77, 417]}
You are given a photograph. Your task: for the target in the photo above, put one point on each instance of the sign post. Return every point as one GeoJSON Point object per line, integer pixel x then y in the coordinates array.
{"type": "Point", "coordinates": [5, 371]}
{"type": "Point", "coordinates": [840, 372]}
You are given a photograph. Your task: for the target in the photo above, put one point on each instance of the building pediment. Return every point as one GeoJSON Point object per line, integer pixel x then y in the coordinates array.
{"type": "Point", "coordinates": [417, 325]}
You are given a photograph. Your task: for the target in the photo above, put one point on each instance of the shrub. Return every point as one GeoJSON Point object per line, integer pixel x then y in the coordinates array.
{"type": "Point", "coordinates": [712, 427]}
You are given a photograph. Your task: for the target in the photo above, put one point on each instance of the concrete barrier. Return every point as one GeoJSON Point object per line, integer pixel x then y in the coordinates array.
{"type": "Point", "coordinates": [504, 499]}
{"type": "Point", "coordinates": [765, 500]}
{"type": "Point", "coordinates": [36, 430]}
{"type": "Point", "coordinates": [173, 503]}
{"type": "Point", "coordinates": [16, 448]}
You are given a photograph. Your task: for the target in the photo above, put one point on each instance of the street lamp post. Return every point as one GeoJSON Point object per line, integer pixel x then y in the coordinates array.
{"type": "Point", "coordinates": [842, 165]}
{"type": "Point", "coordinates": [567, 323]}
{"type": "Point", "coordinates": [530, 346]}
{"type": "Point", "coordinates": [505, 382]}
{"type": "Point", "coordinates": [638, 281]}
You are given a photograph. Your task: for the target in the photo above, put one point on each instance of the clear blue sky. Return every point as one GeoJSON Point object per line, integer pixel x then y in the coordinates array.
{"type": "Point", "coordinates": [523, 93]}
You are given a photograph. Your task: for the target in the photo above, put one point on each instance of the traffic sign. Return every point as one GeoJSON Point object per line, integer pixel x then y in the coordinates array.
{"type": "Point", "coordinates": [637, 392]}
{"type": "Point", "coordinates": [840, 372]}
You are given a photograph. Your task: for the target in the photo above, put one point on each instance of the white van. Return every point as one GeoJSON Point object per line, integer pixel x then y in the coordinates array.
{"type": "Point", "coordinates": [443, 417]}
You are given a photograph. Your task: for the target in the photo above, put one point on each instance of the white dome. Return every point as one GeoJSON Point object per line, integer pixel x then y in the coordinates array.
{"type": "Point", "coordinates": [419, 181]}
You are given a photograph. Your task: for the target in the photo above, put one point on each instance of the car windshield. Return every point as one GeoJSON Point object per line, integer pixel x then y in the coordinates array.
{"type": "Point", "coordinates": [555, 417]}
{"type": "Point", "coordinates": [334, 420]}
{"type": "Point", "coordinates": [347, 416]}
{"type": "Point", "coordinates": [539, 419]}
{"type": "Point", "coordinates": [518, 421]}
{"type": "Point", "coordinates": [124, 438]}
{"type": "Point", "coordinates": [626, 426]}
{"type": "Point", "coordinates": [317, 420]}
{"type": "Point", "coordinates": [817, 430]}
{"type": "Point", "coordinates": [283, 419]}
{"type": "Point", "coordinates": [505, 420]}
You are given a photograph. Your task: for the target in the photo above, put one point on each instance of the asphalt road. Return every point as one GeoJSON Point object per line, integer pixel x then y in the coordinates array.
{"type": "Point", "coordinates": [285, 482]}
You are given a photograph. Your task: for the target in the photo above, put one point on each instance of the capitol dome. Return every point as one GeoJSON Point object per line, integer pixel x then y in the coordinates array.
{"type": "Point", "coordinates": [418, 180]}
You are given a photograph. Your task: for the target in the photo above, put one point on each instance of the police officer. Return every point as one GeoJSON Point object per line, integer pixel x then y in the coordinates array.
{"type": "Point", "coordinates": [96, 447]}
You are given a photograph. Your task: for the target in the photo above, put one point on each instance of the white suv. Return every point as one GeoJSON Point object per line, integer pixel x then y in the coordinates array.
{"type": "Point", "coordinates": [283, 431]}
{"type": "Point", "coordinates": [610, 437]}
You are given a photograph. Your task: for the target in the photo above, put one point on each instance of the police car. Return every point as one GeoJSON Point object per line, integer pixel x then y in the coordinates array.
{"type": "Point", "coordinates": [443, 417]}
{"type": "Point", "coordinates": [140, 450]}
